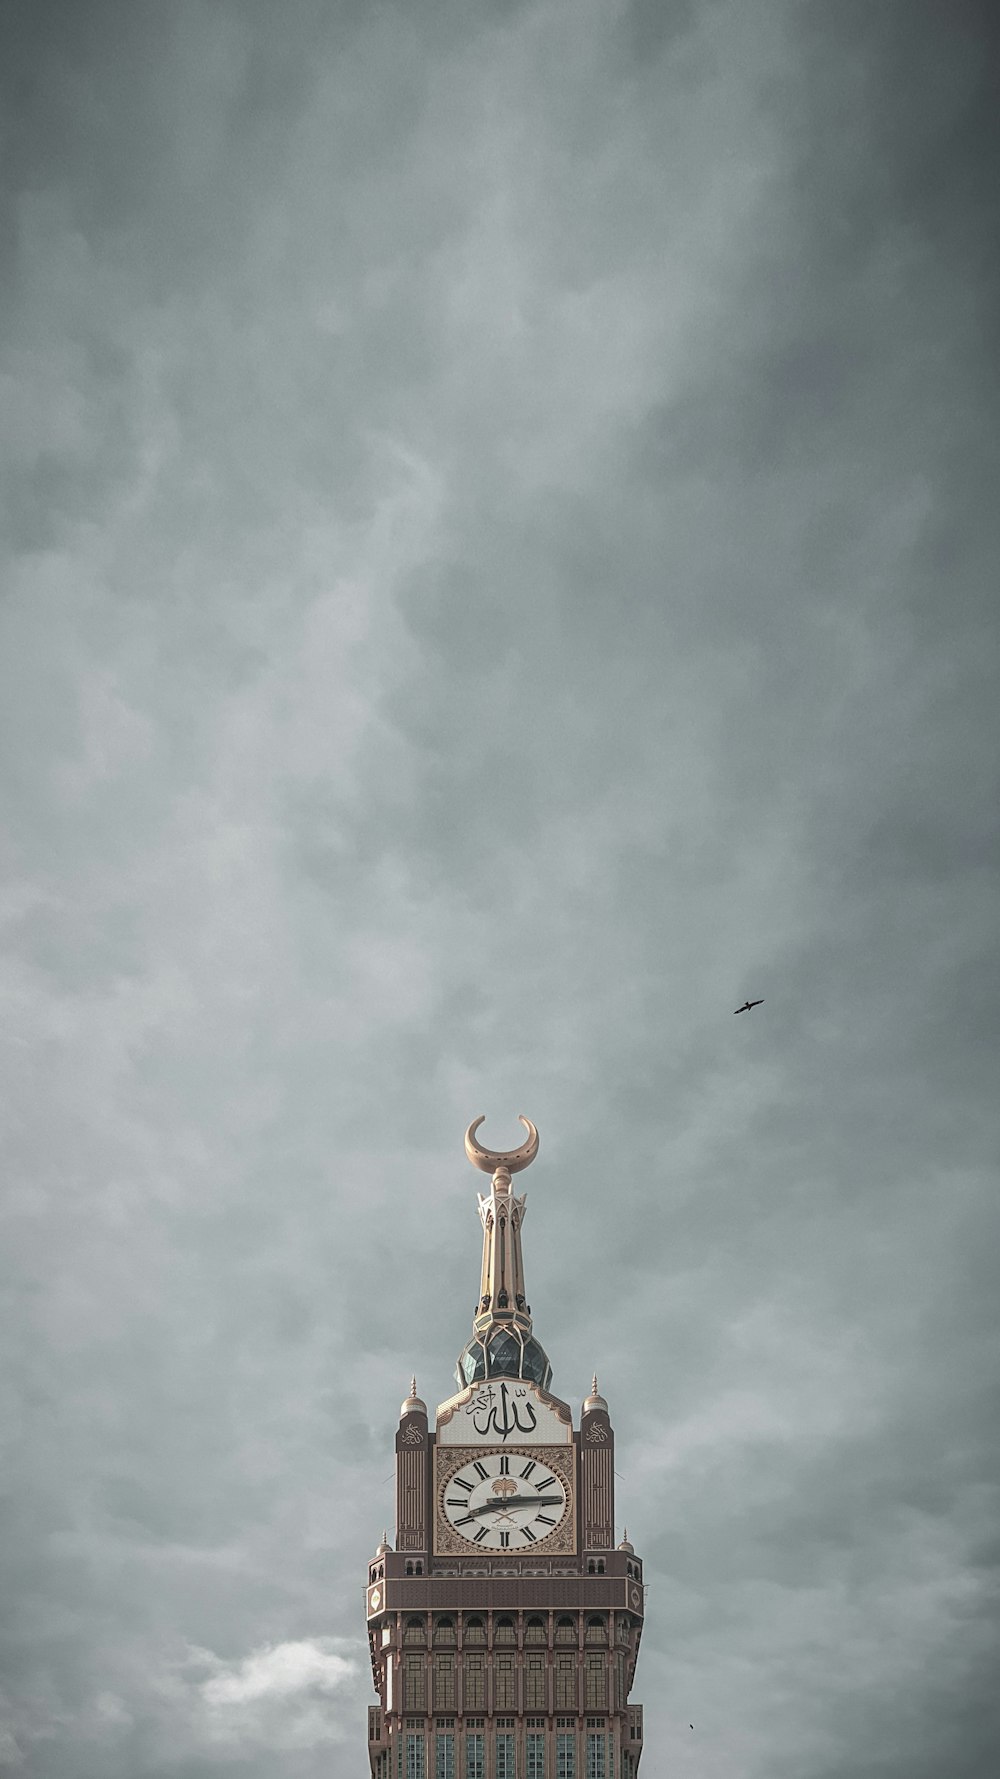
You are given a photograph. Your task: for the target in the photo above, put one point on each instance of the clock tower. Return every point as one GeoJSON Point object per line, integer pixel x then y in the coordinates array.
{"type": "Point", "coordinates": [504, 1625]}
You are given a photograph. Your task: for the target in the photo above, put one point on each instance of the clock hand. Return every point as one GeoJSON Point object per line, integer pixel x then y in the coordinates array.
{"type": "Point", "coordinates": [516, 1501]}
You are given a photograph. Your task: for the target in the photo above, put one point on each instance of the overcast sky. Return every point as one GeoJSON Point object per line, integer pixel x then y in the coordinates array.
{"type": "Point", "coordinates": [499, 565]}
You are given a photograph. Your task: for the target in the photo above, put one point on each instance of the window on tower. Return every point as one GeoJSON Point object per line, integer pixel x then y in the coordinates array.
{"type": "Point", "coordinates": [565, 1683]}
{"type": "Point", "coordinates": [596, 1768]}
{"type": "Point", "coordinates": [504, 1632]}
{"type": "Point", "coordinates": [475, 1755]}
{"type": "Point", "coordinates": [474, 1683]}
{"type": "Point", "coordinates": [565, 1755]}
{"type": "Point", "coordinates": [505, 1754]}
{"type": "Point", "coordinates": [534, 1631]}
{"type": "Point", "coordinates": [444, 1683]}
{"type": "Point", "coordinates": [503, 1683]}
{"type": "Point", "coordinates": [414, 1683]}
{"type": "Point", "coordinates": [596, 1684]}
{"type": "Point", "coordinates": [534, 1683]}
{"type": "Point", "coordinates": [534, 1749]}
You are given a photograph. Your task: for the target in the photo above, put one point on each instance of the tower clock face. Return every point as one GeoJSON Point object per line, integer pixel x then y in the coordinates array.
{"type": "Point", "coordinates": [504, 1501]}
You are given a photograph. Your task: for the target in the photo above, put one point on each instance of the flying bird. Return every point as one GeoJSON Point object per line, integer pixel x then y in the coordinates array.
{"type": "Point", "coordinates": [747, 1006]}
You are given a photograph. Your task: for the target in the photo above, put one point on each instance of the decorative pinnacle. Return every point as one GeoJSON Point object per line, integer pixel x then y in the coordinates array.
{"type": "Point", "coordinates": [413, 1386]}
{"type": "Point", "coordinates": [594, 1390]}
{"type": "Point", "coordinates": [501, 1162]}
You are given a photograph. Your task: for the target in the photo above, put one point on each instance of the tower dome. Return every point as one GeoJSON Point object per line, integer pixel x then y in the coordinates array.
{"type": "Point", "coordinates": [412, 1405]}
{"type": "Point", "coordinates": [595, 1399]}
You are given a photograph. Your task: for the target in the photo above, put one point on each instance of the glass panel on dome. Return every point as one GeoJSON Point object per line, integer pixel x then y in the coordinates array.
{"type": "Point", "coordinates": [505, 1361]}
{"type": "Point", "coordinates": [472, 1364]}
{"type": "Point", "coordinates": [536, 1365]}
{"type": "Point", "coordinates": [505, 1355]}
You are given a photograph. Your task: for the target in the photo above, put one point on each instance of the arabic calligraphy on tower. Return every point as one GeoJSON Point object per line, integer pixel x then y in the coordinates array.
{"type": "Point", "coordinates": [503, 1409]}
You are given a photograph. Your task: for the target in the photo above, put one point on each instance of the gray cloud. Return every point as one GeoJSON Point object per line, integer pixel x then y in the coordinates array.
{"type": "Point", "coordinates": [499, 563]}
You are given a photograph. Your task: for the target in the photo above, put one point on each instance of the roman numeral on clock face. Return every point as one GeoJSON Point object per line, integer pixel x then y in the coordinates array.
{"type": "Point", "coordinates": [505, 1541]}
{"type": "Point", "coordinates": [504, 1464]}
{"type": "Point", "coordinates": [528, 1468]}
{"type": "Point", "coordinates": [467, 1519]}
{"type": "Point", "coordinates": [480, 1535]}
{"type": "Point", "coordinates": [547, 1482]}
{"type": "Point", "coordinates": [529, 1534]}
{"type": "Point", "coordinates": [459, 1482]}
{"type": "Point", "coordinates": [484, 1473]}
{"type": "Point", "coordinates": [544, 1520]}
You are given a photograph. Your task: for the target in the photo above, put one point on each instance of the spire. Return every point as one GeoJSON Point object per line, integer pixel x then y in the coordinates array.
{"type": "Point", "coordinates": [412, 1404]}
{"type": "Point", "coordinates": [502, 1343]}
{"type": "Point", "coordinates": [595, 1400]}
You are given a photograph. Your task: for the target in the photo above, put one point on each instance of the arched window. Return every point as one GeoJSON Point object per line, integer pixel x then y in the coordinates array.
{"type": "Point", "coordinates": [565, 1630]}
{"type": "Point", "coordinates": [503, 1631]}
{"type": "Point", "coordinates": [444, 1631]}
{"type": "Point", "coordinates": [414, 1631]}
{"type": "Point", "coordinates": [597, 1630]}
{"type": "Point", "coordinates": [475, 1631]}
{"type": "Point", "coordinates": [534, 1631]}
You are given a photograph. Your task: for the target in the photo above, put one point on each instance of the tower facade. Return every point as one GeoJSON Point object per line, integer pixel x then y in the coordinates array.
{"type": "Point", "coordinates": [504, 1623]}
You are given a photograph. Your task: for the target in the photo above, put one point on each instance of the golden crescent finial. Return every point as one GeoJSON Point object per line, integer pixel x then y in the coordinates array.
{"type": "Point", "coordinates": [488, 1160]}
